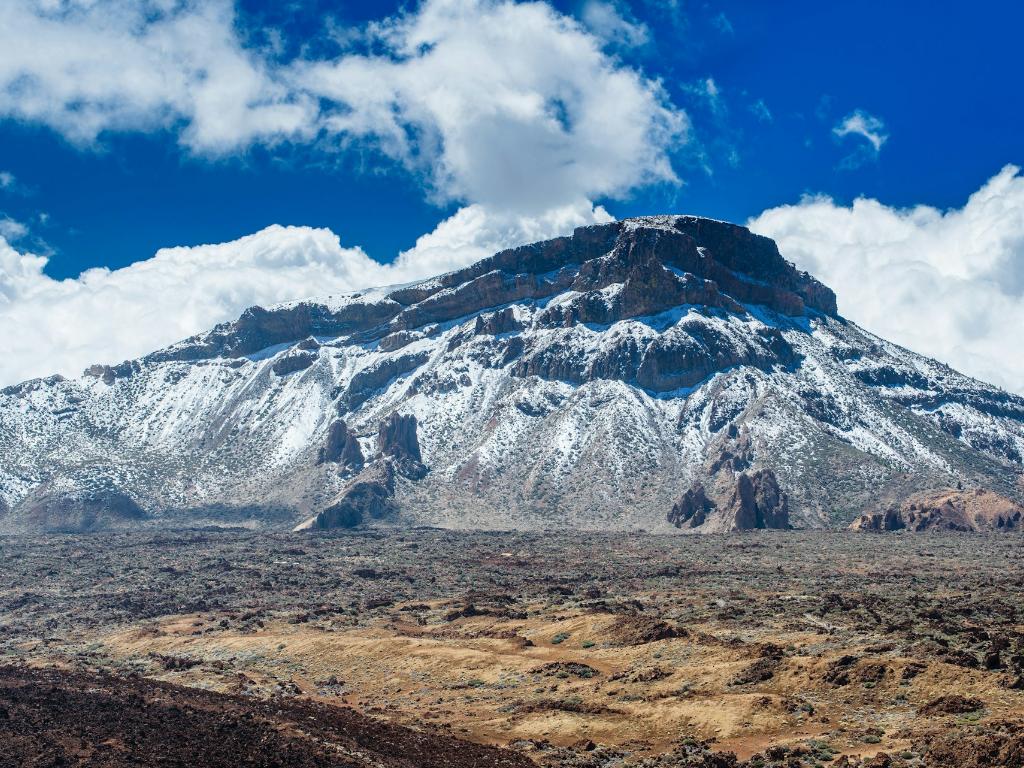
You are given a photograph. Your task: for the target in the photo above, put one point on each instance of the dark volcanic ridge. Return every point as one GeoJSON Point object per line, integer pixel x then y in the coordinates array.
{"type": "Point", "coordinates": [57, 717]}
{"type": "Point", "coordinates": [664, 373]}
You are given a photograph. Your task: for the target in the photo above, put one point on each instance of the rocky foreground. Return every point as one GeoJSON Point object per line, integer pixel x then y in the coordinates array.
{"type": "Point", "coordinates": [667, 373]}
{"type": "Point", "coordinates": [54, 717]}
{"type": "Point", "coordinates": [783, 649]}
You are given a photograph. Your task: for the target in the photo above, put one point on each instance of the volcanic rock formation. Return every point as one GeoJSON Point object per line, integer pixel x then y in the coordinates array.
{"type": "Point", "coordinates": [946, 509]}
{"type": "Point", "coordinates": [396, 439]}
{"type": "Point", "coordinates": [341, 447]}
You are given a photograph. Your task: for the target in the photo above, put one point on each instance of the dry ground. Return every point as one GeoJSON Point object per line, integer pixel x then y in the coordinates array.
{"type": "Point", "coordinates": [787, 648]}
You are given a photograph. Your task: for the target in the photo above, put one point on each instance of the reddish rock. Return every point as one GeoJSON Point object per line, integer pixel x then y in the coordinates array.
{"type": "Point", "coordinates": [946, 509]}
{"type": "Point", "coordinates": [758, 502]}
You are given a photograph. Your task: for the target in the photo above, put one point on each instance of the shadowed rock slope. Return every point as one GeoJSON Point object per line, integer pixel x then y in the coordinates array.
{"type": "Point", "coordinates": [55, 717]}
{"type": "Point", "coordinates": [668, 372]}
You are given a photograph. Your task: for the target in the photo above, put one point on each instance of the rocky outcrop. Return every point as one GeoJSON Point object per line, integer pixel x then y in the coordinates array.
{"type": "Point", "coordinates": [494, 323]}
{"type": "Point", "coordinates": [341, 446]}
{"type": "Point", "coordinates": [364, 384]}
{"type": "Point", "coordinates": [689, 353]}
{"type": "Point", "coordinates": [736, 454]}
{"type": "Point", "coordinates": [758, 502]}
{"type": "Point", "coordinates": [369, 496]}
{"type": "Point", "coordinates": [948, 510]}
{"type": "Point", "coordinates": [691, 511]}
{"type": "Point", "coordinates": [293, 362]}
{"type": "Point", "coordinates": [108, 374]}
{"type": "Point", "coordinates": [397, 440]}
{"type": "Point", "coordinates": [259, 328]}
{"type": "Point", "coordinates": [742, 502]}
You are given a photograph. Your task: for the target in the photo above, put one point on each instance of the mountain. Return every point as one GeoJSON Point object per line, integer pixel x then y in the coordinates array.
{"type": "Point", "coordinates": [664, 373]}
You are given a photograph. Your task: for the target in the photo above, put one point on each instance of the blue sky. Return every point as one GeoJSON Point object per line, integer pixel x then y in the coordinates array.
{"type": "Point", "coordinates": [309, 147]}
{"type": "Point", "coordinates": [942, 78]}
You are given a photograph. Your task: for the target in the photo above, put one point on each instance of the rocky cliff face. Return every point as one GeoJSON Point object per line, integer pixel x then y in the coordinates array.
{"type": "Point", "coordinates": [665, 373]}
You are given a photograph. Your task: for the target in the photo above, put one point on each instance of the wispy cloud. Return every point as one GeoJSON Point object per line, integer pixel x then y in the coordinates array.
{"type": "Point", "coordinates": [761, 111]}
{"type": "Point", "coordinates": [860, 123]}
{"type": "Point", "coordinates": [11, 229]}
{"type": "Point", "coordinates": [722, 24]}
{"type": "Point", "coordinates": [870, 133]}
{"type": "Point", "coordinates": [615, 24]}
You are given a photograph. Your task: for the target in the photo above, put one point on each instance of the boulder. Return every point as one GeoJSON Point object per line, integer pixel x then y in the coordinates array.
{"type": "Point", "coordinates": [368, 496]}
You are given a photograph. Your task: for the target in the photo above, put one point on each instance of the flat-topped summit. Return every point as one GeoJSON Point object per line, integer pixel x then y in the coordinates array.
{"type": "Point", "coordinates": [659, 262]}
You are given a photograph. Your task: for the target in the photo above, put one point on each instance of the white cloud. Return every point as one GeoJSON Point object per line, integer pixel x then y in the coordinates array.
{"type": "Point", "coordinates": [948, 284]}
{"type": "Point", "coordinates": [83, 67]}
{"type": "Point", "coordinates": [494, 102]}
{"type": "Point", "coordinates": [510, 105]}
{"type": "Point", "coordinates": [11, 229]}
{"type": "Point", "coordinates": [610, 23]}
{"type": "Point", "coordinates": [869, 127]}
{"type": "Point", "coordinates": [7, 180]}
{"type": "Point", "coordinates": [62, 326]}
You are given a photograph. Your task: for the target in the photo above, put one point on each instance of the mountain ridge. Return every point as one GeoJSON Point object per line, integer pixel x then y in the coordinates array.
{"type": "Point", "coordinates": [648, 373]}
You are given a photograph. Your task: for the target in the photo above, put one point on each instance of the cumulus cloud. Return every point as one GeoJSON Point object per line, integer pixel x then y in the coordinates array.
{"type": "Point", "coordinates": [475, 232]}
{"type": "Point", "coordinates": [493, 101]}
{"type": "Point", "coordinates": [513, 106]}
{"type": "Point", "coordinates": [7, 180]}
{"type": "Point", "coordinates": [83, 67]}
{"type": "Point", "coordinates": [948, 284]}
{"type": "Point", "coordinates": [62, 326]}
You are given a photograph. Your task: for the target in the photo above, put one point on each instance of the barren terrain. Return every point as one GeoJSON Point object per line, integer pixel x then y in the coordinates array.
{"type": "Point", "coordinates": [796, 648]}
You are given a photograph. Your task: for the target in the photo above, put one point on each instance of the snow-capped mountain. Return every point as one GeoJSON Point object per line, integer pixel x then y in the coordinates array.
{"type": "Point", "coordinates": [660, 373]}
